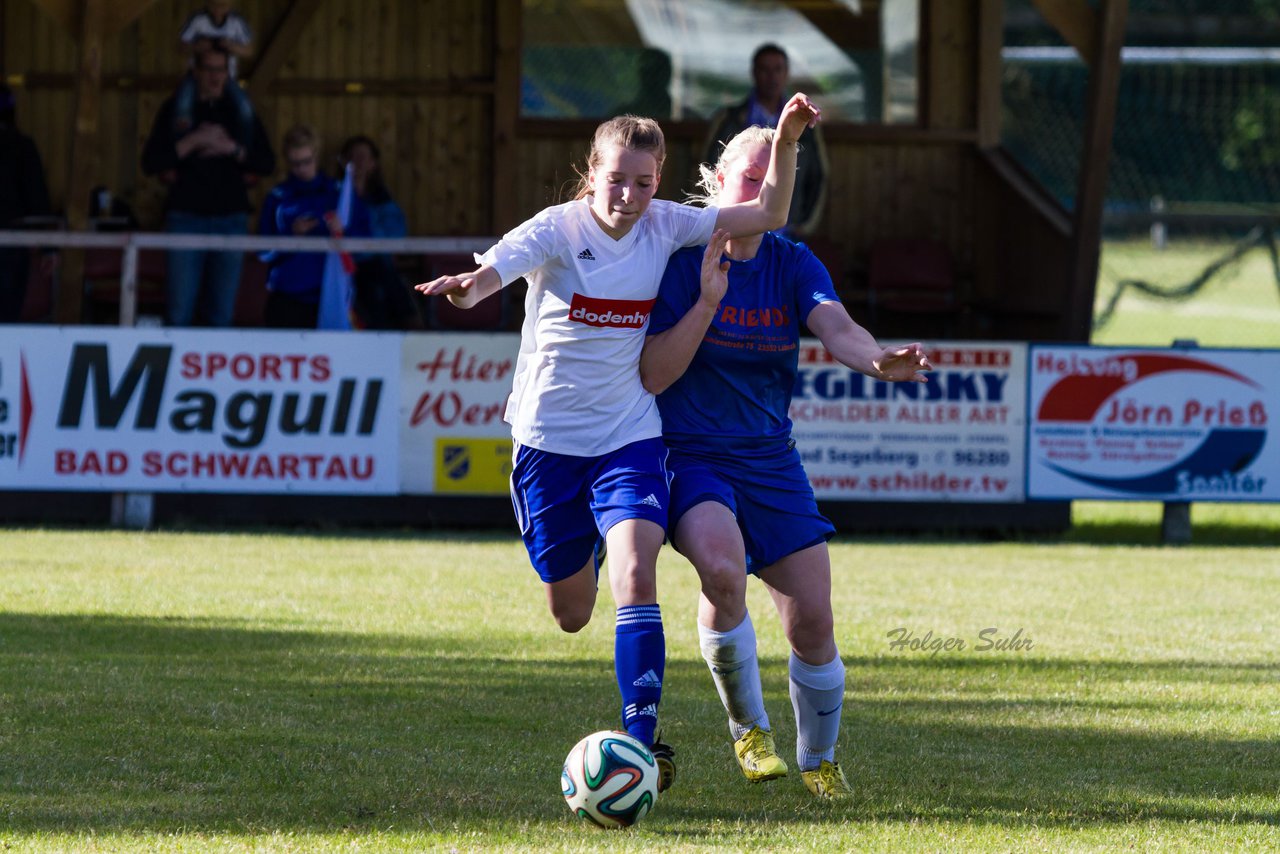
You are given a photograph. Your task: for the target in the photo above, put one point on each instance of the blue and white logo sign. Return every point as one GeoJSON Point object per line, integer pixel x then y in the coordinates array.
{"type": "Point", "coordinates": [1153, 424]}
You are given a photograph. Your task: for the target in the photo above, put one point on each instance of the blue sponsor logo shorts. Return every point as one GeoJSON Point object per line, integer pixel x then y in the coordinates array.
{"type": "Point", "coordinates": [770, 497]}
{"type": "Point", "coordinates": [565, 505]}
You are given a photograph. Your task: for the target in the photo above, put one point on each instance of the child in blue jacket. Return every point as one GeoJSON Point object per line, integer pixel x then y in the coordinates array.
{"type": "Point", "coordinates": [297, 206]}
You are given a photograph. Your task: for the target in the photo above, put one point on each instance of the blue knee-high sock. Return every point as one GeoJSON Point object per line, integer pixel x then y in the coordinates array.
{"type": "Point", "coordinates": [639, 658]}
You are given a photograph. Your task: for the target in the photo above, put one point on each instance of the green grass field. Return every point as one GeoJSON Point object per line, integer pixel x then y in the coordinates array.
{"type": "Point", "coordinates": [193, 691]}
{"type": "Point", "coordinates": [1240, 307]}
{"type": "Point", "coordinates": [344, 691]}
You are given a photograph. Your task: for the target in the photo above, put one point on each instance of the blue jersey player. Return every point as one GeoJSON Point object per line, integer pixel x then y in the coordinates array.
{"type": "Point", "coordinates": [589, 467]}
{"type": "Point", "coordinates": [722, 354]}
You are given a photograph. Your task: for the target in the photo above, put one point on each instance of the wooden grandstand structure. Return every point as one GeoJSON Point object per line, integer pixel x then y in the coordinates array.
{"type": "Point", "coordinates": [437, 84]}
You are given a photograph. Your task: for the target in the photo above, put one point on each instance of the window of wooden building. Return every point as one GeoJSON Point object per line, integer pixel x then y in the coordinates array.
{"type": "Point", "coordinates": [684, 59]}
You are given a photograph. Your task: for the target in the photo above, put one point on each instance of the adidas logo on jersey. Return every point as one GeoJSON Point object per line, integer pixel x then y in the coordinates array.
{"type": "Point", "coordinates": [648, 680]}
{"type": "Point", "coordinates": [585, 255]}
{"type": "Point", "coordinates": [652, 501]}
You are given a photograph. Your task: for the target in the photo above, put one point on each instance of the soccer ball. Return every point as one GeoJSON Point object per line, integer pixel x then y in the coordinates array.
{"type": "Point", "coordinates": [610, 779]}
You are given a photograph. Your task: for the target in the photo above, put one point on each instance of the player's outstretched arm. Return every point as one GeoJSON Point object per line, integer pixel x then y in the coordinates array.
{"type": "Point", "coordinates": [856, 348]}
{"type": "Point", "coordinates": [769, 210]}
{"type": "Point", "coordinates": [667, 354]}
{"type": "Point", "coordinates": [465, 289]}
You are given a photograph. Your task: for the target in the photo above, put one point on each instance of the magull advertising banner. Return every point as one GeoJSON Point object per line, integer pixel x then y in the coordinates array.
{"type": "Point", "coordinates": [167, 410]}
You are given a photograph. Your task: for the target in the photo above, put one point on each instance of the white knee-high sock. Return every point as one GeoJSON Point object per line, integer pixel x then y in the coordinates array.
{"type": "Point", "coordinates": [731, 656]}
{"type": "Point", "coordinates": [817, 695]}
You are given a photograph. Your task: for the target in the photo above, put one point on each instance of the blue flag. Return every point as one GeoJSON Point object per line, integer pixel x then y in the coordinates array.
{"type": "Point", "coordinates": [335, 287]}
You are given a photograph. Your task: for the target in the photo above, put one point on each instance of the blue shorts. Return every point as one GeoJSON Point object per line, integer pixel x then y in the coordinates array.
{"type": "Point", "coordinates": [565, 505]}
{"type": "Point", "coordinates": [771, 498]}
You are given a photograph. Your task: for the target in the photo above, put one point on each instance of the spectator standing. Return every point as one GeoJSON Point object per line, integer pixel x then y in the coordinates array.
{"type": "Point", "coordinates": [770, 73]}
{"type": "Point", "coordinates": [215, 26]}
{"type": "Point", "coordinates": [207, 169]}
{"type": "Point", "coordinates": [23, 193]}
{"type": "Point", "coordinates": [383, 300]}
{"type": "Point", "coordinates": [298, 206]}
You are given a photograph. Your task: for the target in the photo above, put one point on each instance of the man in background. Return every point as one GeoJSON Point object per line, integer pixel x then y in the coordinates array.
{"type": "Point", "coordinates": [770, 73]}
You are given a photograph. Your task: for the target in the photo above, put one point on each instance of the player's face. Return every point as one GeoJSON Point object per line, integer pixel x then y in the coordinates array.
{"type": "Point", "coordinates": [743, 177]}
{"type": "Point", "coordinates": [622, 185]}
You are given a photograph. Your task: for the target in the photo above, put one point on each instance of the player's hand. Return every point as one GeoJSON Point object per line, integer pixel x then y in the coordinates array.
{"type": "Point", "coordinates": [715, 271]}
{"type": "Point", "coordinates": [798, 114]}
{"type": "Point", "coordinates": [459, 285]}
{"type": "Point", "coordinates": [897, 364]}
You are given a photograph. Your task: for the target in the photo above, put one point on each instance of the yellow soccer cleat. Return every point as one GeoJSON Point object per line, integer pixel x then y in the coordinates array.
{"type": "Point", "coordinates": [827, 781]}
{"type": "Point", "coordinates": [757, 757]}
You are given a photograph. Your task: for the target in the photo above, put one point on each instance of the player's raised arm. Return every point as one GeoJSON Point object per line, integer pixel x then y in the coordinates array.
{"type": "Point", "coordinates": [667, 354]}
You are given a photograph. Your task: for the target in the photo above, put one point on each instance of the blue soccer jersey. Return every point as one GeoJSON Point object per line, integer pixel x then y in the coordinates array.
{"type": "Point", "coordinates": [737, 390]}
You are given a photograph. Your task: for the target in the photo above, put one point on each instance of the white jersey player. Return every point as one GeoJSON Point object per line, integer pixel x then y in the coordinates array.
{"type": "Point", "coordinates": [589, 463]}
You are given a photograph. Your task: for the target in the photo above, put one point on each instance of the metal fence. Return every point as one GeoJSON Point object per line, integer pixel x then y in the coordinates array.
{"type": "Point", "coordinates": [131, 242]}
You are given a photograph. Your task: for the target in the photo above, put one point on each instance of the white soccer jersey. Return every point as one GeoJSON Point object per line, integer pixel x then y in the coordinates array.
{"type": "Point", "coordinates": [234, 29]}
{"type": "Point", "coordinates": [577, 387]}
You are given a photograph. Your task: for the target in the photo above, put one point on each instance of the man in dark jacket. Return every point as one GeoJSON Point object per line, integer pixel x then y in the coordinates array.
{"type": "Point", "coordinates": [207, 168]}
{"type": "Point", "coordinates": [770, 71]}
{"type": "Point", "coordinates": [22, 194]}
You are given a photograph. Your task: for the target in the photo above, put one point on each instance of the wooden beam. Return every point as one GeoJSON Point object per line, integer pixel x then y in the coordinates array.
{"type": "Point", "coordinates": [115, 17]}
{"type": "Point", "coordinates": [282, 42]}
{"type": "Point", "coordinates": [1103, 93]}
{"type": "Point", "coordinates": [400, 86]}
{"type": "Point", "coordinates": [83, 168]}
{"type": "Point", "coordinates": [506, 112]}
{"type": "Point", "coordinates": [122, 13]}
{"type": "Point", "coordinates": [989, 77]}
{"type": "Point", "coordinates": [924, 64]}
{"type": "Point", "coordinates": [1030, 191]}
{"type": "Point", "coordinates": [63, 12]}
{"type": "Point", "coordinates": [1076, 21]}
{"type": "Point", "coordinates": [845, 28]}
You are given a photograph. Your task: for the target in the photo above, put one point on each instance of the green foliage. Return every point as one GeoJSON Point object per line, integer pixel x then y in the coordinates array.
{"type": "Point", "coordinates": [1191, 134]}
{"type": "Point", "coordinates": [279, 692]}
{"type": "Point", "coordinates": [1249, 142]}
